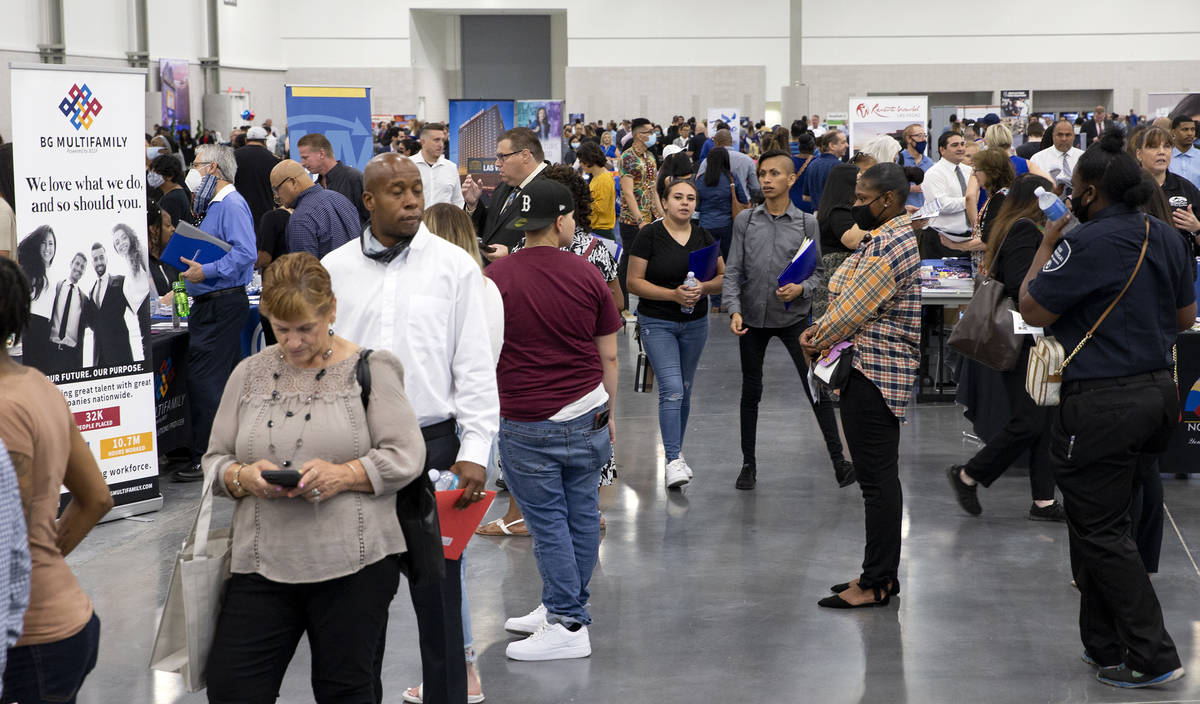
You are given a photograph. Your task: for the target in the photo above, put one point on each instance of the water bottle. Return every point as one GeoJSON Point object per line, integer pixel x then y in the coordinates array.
{"type": "Point", "coordinates": [181, 297]}
{"type": "Point", "coordinates": [1050, 204]}
{"type": "Point", "coordinates": [444, 480]}
{"type": "Point", "coordinates": [690, 282]}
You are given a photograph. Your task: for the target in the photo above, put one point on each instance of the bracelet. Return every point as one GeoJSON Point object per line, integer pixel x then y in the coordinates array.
{"type": "Point", "coordinates": [353, 473]}
{"type": "Point", "coordinates": [237, 480]}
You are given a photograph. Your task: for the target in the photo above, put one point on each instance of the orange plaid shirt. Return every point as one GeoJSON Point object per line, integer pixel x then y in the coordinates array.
{"type": "Point", "coordinates": [875, 303]}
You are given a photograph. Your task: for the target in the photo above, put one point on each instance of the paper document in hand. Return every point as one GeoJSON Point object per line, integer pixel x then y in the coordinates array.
{"type": "Point", "coordinates": [191, 242]}
{"type": "Point", "coordinates": [931, 209]}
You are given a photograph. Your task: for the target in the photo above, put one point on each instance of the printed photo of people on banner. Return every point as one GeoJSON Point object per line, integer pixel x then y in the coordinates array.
{"type": "Point", "coordinates": [545, 118]}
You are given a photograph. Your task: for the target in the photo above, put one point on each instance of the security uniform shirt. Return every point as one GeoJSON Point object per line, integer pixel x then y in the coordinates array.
{"type": "Point", "coordinates": [1087, 271]}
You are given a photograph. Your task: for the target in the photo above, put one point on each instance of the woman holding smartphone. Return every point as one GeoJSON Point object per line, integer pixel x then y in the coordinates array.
{"type": "Point", "coordinates": [673, 317]}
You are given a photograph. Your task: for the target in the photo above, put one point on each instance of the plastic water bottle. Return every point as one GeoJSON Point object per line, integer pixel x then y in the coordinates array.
{"type": "Point", "coordinates": [690, 282]}
{"type": "Point", "coordinates": [444, 480]}
{"type": "Point", "coordinates": [1050, 204]}
{"type": "Point", "coordinates": [181, 297]}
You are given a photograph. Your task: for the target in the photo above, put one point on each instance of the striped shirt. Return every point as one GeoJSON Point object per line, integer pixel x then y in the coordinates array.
{"type": "Point", "coordinates": [14, 542]}
{"type": "Point", "coordinates": [875, 302]}
{"type": "Point", "coordinates": [323, 221]}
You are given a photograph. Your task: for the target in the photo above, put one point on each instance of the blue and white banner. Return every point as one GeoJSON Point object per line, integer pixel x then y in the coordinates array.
{"type": "Point", "coordinates": [341, 113]}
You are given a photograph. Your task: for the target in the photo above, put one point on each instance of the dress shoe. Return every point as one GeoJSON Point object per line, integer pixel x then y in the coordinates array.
{"type": "Point", "coordinates": [747, 478]}
{"type": "Point", "coordinates": [843, 471]}
{"type": "Point", "coordinates": [839, 588]}
{"type": "Point", "coordinates": [837, 602]}
{"type": "Point", "coordinates": [967, 495]}
{"type": "Point", "coordinates": [1053, 512]}
{"type": "Point", "coordinates": [193, 473]}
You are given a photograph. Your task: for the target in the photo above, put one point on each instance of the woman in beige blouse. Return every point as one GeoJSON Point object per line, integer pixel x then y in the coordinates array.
{"type": "Point", "coordinates": [320, 558]}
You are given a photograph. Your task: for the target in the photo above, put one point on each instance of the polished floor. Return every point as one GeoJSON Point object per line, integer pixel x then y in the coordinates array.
{"type": "Point", "coordinates": [709, 595]}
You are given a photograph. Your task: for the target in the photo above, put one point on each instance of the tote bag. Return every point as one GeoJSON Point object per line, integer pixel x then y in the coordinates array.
{"type": "Point", "coordinates": [985, 332]}
{"type": "Point", "coordinates": [189, 618]}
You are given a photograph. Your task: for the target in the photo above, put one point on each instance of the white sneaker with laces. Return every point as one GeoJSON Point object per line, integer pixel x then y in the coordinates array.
{"type": "Point", "coordinates": [527, 624]}
{"type": "Point", "coordinates": [676, 474]}
{"type": "Point", "coordinates": [551, 641]}
{"type": "Point", "coordinates": [687, 467]}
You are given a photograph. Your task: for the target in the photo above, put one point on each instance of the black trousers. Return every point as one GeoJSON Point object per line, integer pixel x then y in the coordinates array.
{"type": "Point", "coordinates": [262, 621]}
{"type": "Point", "coordinates": [438, 607]}
{"type": "Point", "coordinates": [1027, 429]}
{"type": "Point", "coordinates": [1146, 511]}
{"type": "Point", "coordinates": [873, 434]}
{"type": "Point", "coordinates": [214, 348]}
{"type": "Point", "coordinates": [1098, 436]}
{"type": "Point", "coordinates": [628, 236]}
{"type": "Point", "coordinates": [753, 348]}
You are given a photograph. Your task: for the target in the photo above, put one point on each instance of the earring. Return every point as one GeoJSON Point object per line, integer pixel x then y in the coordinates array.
{"type": "Point", "coordinates": [331, 330]}
{"type": "Point", "coordinates": [12, 340]}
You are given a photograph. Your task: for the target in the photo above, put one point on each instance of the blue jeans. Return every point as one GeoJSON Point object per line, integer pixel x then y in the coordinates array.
{"type": "Point", "coordinates": [552, 470]}
{"type": "Point", "coordinates": [674, 351]}
{"type": "Point", "coordinates": [52, 672]}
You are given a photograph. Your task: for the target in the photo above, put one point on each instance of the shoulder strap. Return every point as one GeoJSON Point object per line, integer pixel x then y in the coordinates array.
{"type": "Point", "coordinates": [804, 166]}
{"type": "Point", "coordinates": [591, 245]}
{"type": "Point", "coordinates": [1088, 336]}
{"type": "Point", "coordinates": [362, 373]}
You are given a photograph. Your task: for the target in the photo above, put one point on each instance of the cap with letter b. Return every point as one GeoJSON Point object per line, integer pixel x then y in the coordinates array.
{"type": "Point", "coordinates": [541, 203]}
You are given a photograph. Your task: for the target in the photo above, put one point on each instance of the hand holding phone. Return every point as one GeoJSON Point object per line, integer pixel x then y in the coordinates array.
{"type": "Point", "coordinates": [287, 478]}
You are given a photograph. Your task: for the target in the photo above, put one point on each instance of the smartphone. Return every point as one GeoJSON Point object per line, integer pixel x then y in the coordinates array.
{"type": "Point", "coordinates": [486, 248]}
{"type": "Point", "coordinates": [600, 420]}
{"type": "Point", "coordinates": [282, 477]}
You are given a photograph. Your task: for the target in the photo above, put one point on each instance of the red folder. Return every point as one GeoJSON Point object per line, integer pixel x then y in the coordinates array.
{"type": "Point", "coordinates": [458, 525]}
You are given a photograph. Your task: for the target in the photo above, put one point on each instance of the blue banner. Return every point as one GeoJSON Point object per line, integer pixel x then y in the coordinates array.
{"type": "Point", "coordinates": [342, 114]}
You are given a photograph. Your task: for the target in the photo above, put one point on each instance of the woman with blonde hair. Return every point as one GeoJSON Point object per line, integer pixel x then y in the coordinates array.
{"type": "Point", "coordinates": [1000, 137]}
{"type": "Point", "coordinates": [313, 469]}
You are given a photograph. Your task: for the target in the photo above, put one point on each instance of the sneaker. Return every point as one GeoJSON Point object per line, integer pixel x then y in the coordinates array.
{"type": "Point", "coordinates": [747, 478]}
{"type": "Point", "coordinates": [966, 495]}
{"type": "Point", "coordinates": [676, 474]}
{"type": "Point", "coordinates": [527, 624]}
{"type": "Point", "coordinates": [686, 467]}
{"type": "Point", "coordinates": [1128, 678]}
{"type": "Point", "coordinates": [843, 471]}
{"type": "Point", "coordinates": [1053, 512]}
{"type": "Point", "coordinates": [1087, 659]}
{"type": "Point", "coordinates": [552, 641]}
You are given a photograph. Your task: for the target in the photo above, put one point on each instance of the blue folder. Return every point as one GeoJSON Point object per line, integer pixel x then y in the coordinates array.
{"type": "Point", "coordinates": [195, 244]}
{"type": "Point", "coordinates": [801, 267]}
{"type": "Point", "coordinates": [703, 262]}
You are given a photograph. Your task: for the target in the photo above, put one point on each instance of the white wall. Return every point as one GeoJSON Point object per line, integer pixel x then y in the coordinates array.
{"type": "Point", "coordinates": [177, 31]}
{"type": "Point", "coordinates": [20, 25]}
{"type": "Point", "coordinates": [250, 36]}
{"type": "Point", "coordinates": [99, 28]}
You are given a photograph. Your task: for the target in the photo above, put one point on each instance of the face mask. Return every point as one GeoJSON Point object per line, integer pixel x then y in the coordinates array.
{"type": "Point", "coordinates": [193, 180]}
{"type": "Point", "coordinates": [204, 194]}
{"type": "Point", "coordinates": [154, 180]}
{"type": "Point", "coordinates": [920, 147]}
{"type": "Point", "coordinates": [651, 140]}
{"type": "Point", "coordinates": [574, 145]}
{"type": "Point", "coordinates": [863, 217]}
{"type": "Point", "coordinates": [153, 152]}
{"type": "Point", "coordinates": [1082, 211]}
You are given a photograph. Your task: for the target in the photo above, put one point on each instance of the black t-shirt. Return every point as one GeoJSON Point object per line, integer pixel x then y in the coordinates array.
{"type": "Point", "coordinates": [667, 266]}
{"type": "Point", "coordinates": [1028, 149]}
{"type": "Point", "coordinates": [990, 210]}
{"type": "Point", "coordinates": [177, 203]}
{"type": "Point", "coordinates": [1180, 194]}
{"type": "Point", "coordinates": [271, 232]}
{"type": "Point", "coordinates": [1015, 256]}
{"type": "Point", "coordinates": [833, 227]}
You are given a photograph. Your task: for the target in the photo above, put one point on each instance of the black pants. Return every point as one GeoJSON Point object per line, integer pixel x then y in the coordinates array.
{"type": "Point", "coordinates": [51, 672]}
{"type": "Point", "coordinates": [1098, 437]}
{"type": "Point", "coordinates": [438, 607]}
{"type": "Point", "coordinates": [873, 434]}
{"type": "Point", "coordinates": [753, 347]}
{"type": "Point", "coordinates": [1146, 511]}
{"type": "Point", "coordinates": [1028, 428]}
{"type": "Point", "coordinates": [628, 236]}
{"type": "Point", "coordinates": [262, 621]}
{"type": "Point", "coordinates": [214, 348]}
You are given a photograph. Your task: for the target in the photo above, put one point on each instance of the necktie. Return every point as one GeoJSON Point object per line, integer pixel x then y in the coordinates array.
{"type": "Point", "coordinates": [65, 314]}
{"type": "Point", "coordinates": [962, 183]}
{"type": "Point", "coordinates": [511, 197]}
{"type": "Point", "coordinates": [1066, 169]}
{"type": "Point", "coordinates": [100, 286]}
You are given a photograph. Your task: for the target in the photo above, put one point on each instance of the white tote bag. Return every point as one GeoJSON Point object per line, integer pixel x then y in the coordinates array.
{"type": "Point", "coordinates": [189, 618]}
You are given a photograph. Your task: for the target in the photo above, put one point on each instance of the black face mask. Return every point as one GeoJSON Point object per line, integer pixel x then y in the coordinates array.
{"type": "Point", "coordinates": [863, 217]}
{"type": "Point", "coordinates": [1082, 212]}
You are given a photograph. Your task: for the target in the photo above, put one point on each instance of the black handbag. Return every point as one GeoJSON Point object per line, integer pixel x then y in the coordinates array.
{"type": "Point", "coordinates": [985, 331]}
{"type": "Point", "coordinates": [416, 506]}
{"type": "Point", "coordinates": [643, 380]}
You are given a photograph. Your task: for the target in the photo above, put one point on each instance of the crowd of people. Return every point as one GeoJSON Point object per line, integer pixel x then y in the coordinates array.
{"type": "Point", "coordinates": [418, 322]}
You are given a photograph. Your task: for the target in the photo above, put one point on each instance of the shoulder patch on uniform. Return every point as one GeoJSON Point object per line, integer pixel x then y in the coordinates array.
{"type": "Point", "coordinates": [1060, 256]}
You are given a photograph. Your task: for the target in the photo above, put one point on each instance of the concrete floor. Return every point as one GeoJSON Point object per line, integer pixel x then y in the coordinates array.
{"type": "Point", "coordinates": [709, 595]}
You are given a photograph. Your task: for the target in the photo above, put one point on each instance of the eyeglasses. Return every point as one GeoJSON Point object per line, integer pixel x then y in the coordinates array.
{"type": "Point", "coordinates": [501, 157]}
{"type": "Point", "coordinates": [197, 164]}
{"type": "Point", "coordinates": [275, 188]}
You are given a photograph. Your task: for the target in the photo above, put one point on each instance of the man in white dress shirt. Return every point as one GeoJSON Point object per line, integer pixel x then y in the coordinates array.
{"type": "Point", "coordinates": [403, 289]}
{"type": "Point", "coordinates": [1059, 159]}
{"type": "Point", "coordinates": [947, 182]}
{"type": "Point", "coordinates": [439, 175]}
{"type": "Point", "coordinates": [67, 318]}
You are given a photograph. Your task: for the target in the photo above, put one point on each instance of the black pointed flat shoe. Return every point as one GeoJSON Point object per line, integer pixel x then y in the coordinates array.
{"type": "Point", "coordinates": [837, 602]}
{"type": "Point", "coordinates": [839, 588]}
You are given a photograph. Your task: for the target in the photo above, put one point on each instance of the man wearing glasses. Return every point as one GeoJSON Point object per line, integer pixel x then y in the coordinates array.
{"type": "Point", "coordinates": [913, 154]}
{"type": "Point", "coordinates": [322, 221]}
{"type": "Point", "coordinates": [520, 161]}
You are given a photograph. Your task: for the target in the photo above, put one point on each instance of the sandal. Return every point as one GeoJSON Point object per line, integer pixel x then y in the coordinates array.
{"type": "Point", "coordinates": [499, 528]}
{"type": "Point", "coordinates": [415, 695]}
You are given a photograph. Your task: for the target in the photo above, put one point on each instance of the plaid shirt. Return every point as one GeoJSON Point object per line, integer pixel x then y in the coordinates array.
{"type": "Point", "coordinates": [875, 302]}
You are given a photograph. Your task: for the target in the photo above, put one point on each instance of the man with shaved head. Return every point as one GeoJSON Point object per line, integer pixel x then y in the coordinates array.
{"type": "Point", "coordinates": [322, 220]}
{"type": "Point", "coordinates": [403, 289]}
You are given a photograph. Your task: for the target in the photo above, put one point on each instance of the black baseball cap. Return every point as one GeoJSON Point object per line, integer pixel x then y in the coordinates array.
{"type": "Point", "coordinates": [541, 203]}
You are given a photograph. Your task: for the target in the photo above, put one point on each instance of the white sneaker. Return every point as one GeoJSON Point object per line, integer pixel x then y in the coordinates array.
{"type": "Point", "coordinates": [687, 467]}
{"type": "Point", "coordinates": [552, 641]}
{"type": "Point", "coordinates": [677, 474]}
{"type": "Point", "coordinates": [527, 624]}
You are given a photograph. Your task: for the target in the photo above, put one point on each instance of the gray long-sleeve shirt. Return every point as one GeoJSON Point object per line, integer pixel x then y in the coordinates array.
{"type": "Point", "coordinates": [761, 248]}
